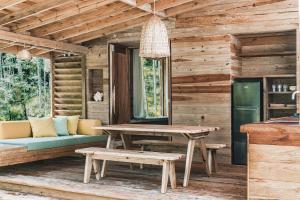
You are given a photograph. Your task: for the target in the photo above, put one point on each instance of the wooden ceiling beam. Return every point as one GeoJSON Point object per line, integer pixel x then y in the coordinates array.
{"type": "Point", "coordinates": [168, 4]}
{"type": "Point", "coordinates": [165, 4]}
{"type": "Point", "coordinates": [32, 10]}
{"type": "Point", "coordinates": [111, 29]}
{"type": "Point", "coordinates": [34, 52]}
{"type": "Point", "coordinates": [190, 6]}
{"type": "Point", "coordinates": [142, 2]}
{"type": "Point", "coordinates": [100, 24]}
{"type": "Point", "coordinates": [4, 4]}
{"type": "Point", "coordinates": [41, 42]}
{"type": "Point", "coordinates": [145, 7]}
{"type": "Point", "coordinates": [55, 16]}
{"type": "Point", "coordinates": [81, 19]}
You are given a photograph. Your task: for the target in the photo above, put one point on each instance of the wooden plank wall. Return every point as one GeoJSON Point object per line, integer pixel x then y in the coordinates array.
{"type": "Point", "coordinates": [273, 172]}
{"type": "Point", "coordinates": [205, 57]}
{"type": "Point", "coordinates": [238, 17]}
{"type": "Point", "coordinates": [98, 59]}
{"type": "Point", "coordinates": [269, 54]}
{"type": "Point", "coordinates": [201, 83]}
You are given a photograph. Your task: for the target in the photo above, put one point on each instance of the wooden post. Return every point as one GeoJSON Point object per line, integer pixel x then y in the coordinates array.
{"type": "Point", "coordinates": [298, 60]}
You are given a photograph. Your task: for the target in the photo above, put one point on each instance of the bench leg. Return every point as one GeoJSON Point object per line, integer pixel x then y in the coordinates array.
{"type": "Point", "coordinates": [214, 161]}
{"type": "Point", "coordinates": [204, 155]}
{"type": "Point", "coordinates": [88, 168]}
{"type": "Point", "coordinates": [141, 165]}
{"type": "Point", "coordinates": [209, 160]}
{"type": "Point", "coordinates": [172, 175]}
{"type": "Point", "coordinates": [188, 162]}
{"type": "Point", "coordinates": [96, 166]}
{"type": "Point", "coordinates": [126, 144]}
{"type": "Point", "coordinates": [165, 177]}
{"type": "Point", "coordinates": [109, 145]}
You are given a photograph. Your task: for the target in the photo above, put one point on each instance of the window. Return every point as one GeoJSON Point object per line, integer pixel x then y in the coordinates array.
{"type": "Point", "coordinates": [150, 87]}
{"type": "Point", "coordinates": [24, 88]}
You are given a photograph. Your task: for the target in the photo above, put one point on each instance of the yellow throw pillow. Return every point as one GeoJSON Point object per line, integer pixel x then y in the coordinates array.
{"type": "Point", "coordinates": [73, 124]}
{"type": "Point", "coordinates": [42, 127]}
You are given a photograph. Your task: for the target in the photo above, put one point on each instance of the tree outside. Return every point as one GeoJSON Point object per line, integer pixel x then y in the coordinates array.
{"type": "Point", "coordinates": [153, 87]}
{"type": "Point", "coordinates": [24, 88]}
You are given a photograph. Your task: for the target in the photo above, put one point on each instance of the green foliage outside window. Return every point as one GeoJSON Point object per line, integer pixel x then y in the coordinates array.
{"type": "Point", "coordinates": [24, 88]}
{"type": "Point", "coordinates": [153, 87]}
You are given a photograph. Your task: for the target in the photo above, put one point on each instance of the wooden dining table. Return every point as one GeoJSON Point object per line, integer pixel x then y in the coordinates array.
{"type": "Point", "coordinates": [194, 134]}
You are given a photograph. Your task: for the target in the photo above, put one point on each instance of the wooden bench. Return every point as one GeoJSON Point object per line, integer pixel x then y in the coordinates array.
{"type": "Point", "coordinates": [167, 160]}
{"type": "Point", "coordinates": [211, 150]}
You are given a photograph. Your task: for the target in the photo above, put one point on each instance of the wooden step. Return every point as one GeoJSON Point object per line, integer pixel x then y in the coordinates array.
{"type": "Point", "coordinates": [68, 71]}
{"type": "Point", "coordinates": [67, 101]}
{"type": "Point", "coordinates": [67, 65]}
{"type": "Point", "coordinates": [67, 89]}
{"type": "Point", "coordinates": [68, 112]}
{"type": "Point", "coordinates": [67, 83]}
{"type": "Point", "coordinates": [68, 94]}
{"type": "Point", "coordinates": [68, 106]}
{"type": "Point", "coordinates": [68, 77]}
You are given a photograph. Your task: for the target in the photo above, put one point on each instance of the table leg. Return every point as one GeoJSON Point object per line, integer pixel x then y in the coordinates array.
{"type": "Point", "coordinates": [188, 162]}
{"type": "Point", "coordinates": [172, 174]}
{"type": "Point", "coordinates": [203, 150]}
{"type": "Point", "coordinates": [87, 168]}
{"type": "Point", "coordinates": [126, 144]}
{"type": "Point", "coordinates": [96, 165]}
{"type": "Point", "coordinates": [109, 145]}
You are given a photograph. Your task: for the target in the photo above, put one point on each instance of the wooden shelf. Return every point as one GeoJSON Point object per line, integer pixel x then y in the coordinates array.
{"type": "Point", "coordinates": [288, 92]}
{"type": "Point", "coordinates": [267, 54]}
{"type": "Point", "coordinates": [270, 76]}
{"type": "Point", "coordinates": [282, 108]}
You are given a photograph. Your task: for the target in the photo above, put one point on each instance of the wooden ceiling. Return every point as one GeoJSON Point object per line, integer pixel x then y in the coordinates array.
{"type": "Point", "coordinates": [62, 25]}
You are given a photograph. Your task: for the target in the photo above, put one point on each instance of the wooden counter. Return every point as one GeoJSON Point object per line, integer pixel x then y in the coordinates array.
{"type": "Point", "coordinates": [273, 160]}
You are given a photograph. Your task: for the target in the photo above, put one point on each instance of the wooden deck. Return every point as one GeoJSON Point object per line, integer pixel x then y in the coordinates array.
{"type": "Point", "coordinates": [62, 178]}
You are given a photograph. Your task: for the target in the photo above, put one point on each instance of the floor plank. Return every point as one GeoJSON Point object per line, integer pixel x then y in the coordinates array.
{"type": "Point", "coordinates": [62, 178]}
{"type": "Point", "coordinates": [9, 195]}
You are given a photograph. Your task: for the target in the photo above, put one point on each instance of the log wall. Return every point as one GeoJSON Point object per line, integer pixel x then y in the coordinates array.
{"type": "Point", "coordinates": [205, 57]}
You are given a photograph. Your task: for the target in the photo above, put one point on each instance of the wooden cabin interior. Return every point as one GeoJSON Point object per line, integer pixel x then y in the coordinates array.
{"type": "Point", "coordinates": [218, 50]}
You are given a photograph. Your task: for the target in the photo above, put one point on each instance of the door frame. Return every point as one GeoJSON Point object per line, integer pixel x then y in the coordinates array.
{"type": "Point", "coordinates": [169, 63]}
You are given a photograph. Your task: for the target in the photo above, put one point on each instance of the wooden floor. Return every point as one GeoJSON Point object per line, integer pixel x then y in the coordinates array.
{"type": "Point", "coordinates": [62, 178]}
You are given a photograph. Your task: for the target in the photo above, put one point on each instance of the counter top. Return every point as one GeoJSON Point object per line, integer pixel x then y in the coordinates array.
{"type": "Point", "coordinates": [282, 131]}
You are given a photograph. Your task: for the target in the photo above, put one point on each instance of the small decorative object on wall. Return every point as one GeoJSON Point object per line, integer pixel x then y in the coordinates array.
{"type": "Point", "coordinates": [154, 38]}
{"type": "Point", "coordinates": [98, 96]}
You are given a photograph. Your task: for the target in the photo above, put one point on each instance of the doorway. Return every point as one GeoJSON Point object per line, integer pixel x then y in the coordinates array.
{"type": "Point", "coordinates": [139, 88]}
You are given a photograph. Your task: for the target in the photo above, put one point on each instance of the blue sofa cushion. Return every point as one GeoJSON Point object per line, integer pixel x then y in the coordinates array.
{"type": "Point", "coordinates": [53, 142]}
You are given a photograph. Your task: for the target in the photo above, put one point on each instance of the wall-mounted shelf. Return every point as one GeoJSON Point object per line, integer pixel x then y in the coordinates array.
{"type": "Point", "coordinates": [288, 92]}
{"type": "Point", "coordinates": [278, 104]}
{"type": "Point", "coordinates": [282, 108]}
{"type": "Point", "coordinates": [268, 54]}
{"type": "Point", "coordinates": [94, 82]}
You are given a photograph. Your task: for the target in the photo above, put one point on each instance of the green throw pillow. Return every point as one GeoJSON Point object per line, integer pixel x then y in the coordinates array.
{"type": "Point", "coordinates": [61, 126]}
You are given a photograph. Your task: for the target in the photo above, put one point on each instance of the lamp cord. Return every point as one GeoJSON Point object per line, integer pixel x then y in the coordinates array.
{"type": "Point", "coordinates": [154, 7]}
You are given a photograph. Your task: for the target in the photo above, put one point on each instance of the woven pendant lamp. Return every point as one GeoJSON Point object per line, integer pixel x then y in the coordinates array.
{"type": "Point", "coordinates": [24, 54]}
{"type": "Point", "coordinates": [154, 39]}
